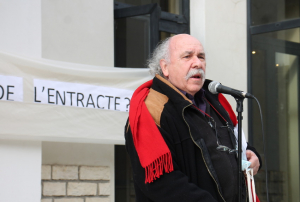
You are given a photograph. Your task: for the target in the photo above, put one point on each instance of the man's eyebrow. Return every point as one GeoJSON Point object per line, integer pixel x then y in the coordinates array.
{"type": "Point", "coordinates": [192, 52]}
{"type": "Point", "coordinates": [202, 54]}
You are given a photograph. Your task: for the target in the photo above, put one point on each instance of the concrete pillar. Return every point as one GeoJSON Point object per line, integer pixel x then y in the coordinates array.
{"type": "Point", "coordinates": [20, 171]}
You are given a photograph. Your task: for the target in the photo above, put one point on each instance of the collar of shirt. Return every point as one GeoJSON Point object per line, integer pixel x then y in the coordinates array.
{"type": "Point", "coordinates": [198, 99]}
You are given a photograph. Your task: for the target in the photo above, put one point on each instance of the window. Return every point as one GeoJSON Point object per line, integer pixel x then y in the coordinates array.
{"type": "Point", "coordinates": [140, 25]}
{"type": "Point", "coordinates": [273, 67]}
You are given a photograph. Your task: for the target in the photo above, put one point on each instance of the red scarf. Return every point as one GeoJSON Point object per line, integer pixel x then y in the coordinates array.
{"type": "Point", "coordinates": [151, 148]}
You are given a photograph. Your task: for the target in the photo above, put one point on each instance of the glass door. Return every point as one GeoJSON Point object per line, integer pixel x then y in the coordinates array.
{"type": "Point", "coordinates": [288, 136]}
{"type": "Point", "coordinates": [275, 82]}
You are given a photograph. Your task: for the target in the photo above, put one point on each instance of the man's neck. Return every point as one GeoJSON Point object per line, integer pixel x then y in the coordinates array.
{"type": "Point", "coordinates": [198, 99]}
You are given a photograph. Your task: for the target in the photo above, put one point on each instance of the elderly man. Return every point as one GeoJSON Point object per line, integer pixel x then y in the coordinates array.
{"type": "Point", "coordinates": [179, 136]}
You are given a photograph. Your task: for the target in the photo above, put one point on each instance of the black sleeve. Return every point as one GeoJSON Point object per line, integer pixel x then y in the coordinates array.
{"type": "Point", "coordinates": [249, 147]}
{"type": "Point", "coordinates": [170, 187]}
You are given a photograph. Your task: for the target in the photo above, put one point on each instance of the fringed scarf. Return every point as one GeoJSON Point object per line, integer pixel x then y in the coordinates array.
{"type": "Point", "coordinates": [153, 152]}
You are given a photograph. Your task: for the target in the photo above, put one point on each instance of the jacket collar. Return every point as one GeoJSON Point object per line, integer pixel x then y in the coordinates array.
{"type": "Point", "coordinates": [164, 86]}
{"type": "Point", "coordinates": [169, 89]}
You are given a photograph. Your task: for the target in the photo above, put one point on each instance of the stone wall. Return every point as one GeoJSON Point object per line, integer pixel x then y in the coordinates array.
{"type": "Point", "coordinates": [65, 183]}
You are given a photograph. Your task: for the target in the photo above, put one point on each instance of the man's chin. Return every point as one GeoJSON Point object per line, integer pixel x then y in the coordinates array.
{"type": "Point", "coordinates": [194, 89]}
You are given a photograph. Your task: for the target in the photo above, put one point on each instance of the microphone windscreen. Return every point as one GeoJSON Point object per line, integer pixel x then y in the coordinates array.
{"type": "Point", "coordinates": [212, 87]}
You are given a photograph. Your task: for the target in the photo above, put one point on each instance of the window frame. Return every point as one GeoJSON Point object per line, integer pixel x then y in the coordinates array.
{"type": "Point", "coordinates": [159, 20]}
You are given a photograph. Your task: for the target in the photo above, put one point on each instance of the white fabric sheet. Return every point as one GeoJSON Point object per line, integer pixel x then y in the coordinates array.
{"type": "Point", "coordinates": [49, 119]}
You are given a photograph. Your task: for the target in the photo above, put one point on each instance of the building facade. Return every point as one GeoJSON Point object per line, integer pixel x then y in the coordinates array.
{"type": "Point", "coordinates": [55, 153]}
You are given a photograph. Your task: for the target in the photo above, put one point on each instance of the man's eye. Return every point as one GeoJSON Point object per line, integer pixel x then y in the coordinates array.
{"type": "Point", "coordinates": [187, 56]}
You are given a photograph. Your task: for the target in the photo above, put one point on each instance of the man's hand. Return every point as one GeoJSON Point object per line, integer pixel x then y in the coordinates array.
{"type": "Point", "coordinates": [254, 161]}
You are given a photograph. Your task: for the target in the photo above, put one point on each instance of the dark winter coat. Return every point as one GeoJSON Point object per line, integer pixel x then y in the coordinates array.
{"type": "Point", "coordinates": [201, 172]}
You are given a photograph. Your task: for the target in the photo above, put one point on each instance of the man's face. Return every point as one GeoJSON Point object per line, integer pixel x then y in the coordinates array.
{"type": "Point", "coordinates": [186, 54]}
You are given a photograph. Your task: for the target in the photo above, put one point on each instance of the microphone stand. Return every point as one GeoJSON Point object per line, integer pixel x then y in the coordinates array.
{"type": "Point", "coordinates": [239, 109]}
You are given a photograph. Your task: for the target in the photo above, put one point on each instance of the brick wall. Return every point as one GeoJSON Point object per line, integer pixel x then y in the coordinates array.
{"type": "Point", "coordinates": [65, 183]}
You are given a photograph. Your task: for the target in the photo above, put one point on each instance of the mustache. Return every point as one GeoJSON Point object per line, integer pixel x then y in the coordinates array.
{"type": "Point", "coordinates": [193, 72]}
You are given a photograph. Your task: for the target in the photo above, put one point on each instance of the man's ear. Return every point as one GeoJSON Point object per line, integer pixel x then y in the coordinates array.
{"type": "Point", "coordinates": [164, 67]}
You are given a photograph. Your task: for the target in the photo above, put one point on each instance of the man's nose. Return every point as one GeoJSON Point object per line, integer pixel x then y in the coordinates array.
{"type": "Point", "coordinates": [197, 63]}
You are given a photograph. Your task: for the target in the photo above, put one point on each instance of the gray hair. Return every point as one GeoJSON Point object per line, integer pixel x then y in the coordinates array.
{"type": "Point", "coordinates": [160, 52]}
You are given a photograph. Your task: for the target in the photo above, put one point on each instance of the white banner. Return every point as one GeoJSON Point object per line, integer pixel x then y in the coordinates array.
{"type": "Point", "coordinates": [11, 88]}
{"type": "Point", "coordinates": [81, 95]}
{"type": "Point", "coordinates": [62, 101]}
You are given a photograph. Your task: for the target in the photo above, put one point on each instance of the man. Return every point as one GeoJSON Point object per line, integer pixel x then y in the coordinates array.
{"type": "Point", "coordinates": [179, 136]}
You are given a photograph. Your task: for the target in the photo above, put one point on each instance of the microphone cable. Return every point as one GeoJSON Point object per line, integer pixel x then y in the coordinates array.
{"type": "Point", "coordinates": [264, 144]}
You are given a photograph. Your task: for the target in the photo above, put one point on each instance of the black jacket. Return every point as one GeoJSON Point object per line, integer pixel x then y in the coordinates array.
{"type": "Point", "coordinates": [201, 172]}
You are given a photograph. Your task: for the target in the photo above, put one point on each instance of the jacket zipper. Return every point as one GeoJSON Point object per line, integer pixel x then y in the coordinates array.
{"type": "Point", "coordinates": [201, 151]}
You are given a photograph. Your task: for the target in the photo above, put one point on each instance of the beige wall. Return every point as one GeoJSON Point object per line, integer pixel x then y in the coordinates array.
{"type": "Point", "coordinates": [20, 27]}
{"type": "Point", "coordinates": [78, 31]}
{"type": "Point", "coordinates": [221, 25]}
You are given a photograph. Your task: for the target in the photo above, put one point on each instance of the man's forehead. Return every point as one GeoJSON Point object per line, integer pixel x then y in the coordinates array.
{"type": "Point", "coordinates": [187, 48]}
{"type": "Point", "coordinates": [185, 43]}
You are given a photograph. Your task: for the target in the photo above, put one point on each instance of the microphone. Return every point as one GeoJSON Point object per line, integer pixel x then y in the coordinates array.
{"type": "Point", "coordinates": [215, 87]}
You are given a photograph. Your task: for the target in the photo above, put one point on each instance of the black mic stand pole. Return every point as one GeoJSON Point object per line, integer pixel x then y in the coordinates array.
{"type": "Point", "coordinates": [239, 109]}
